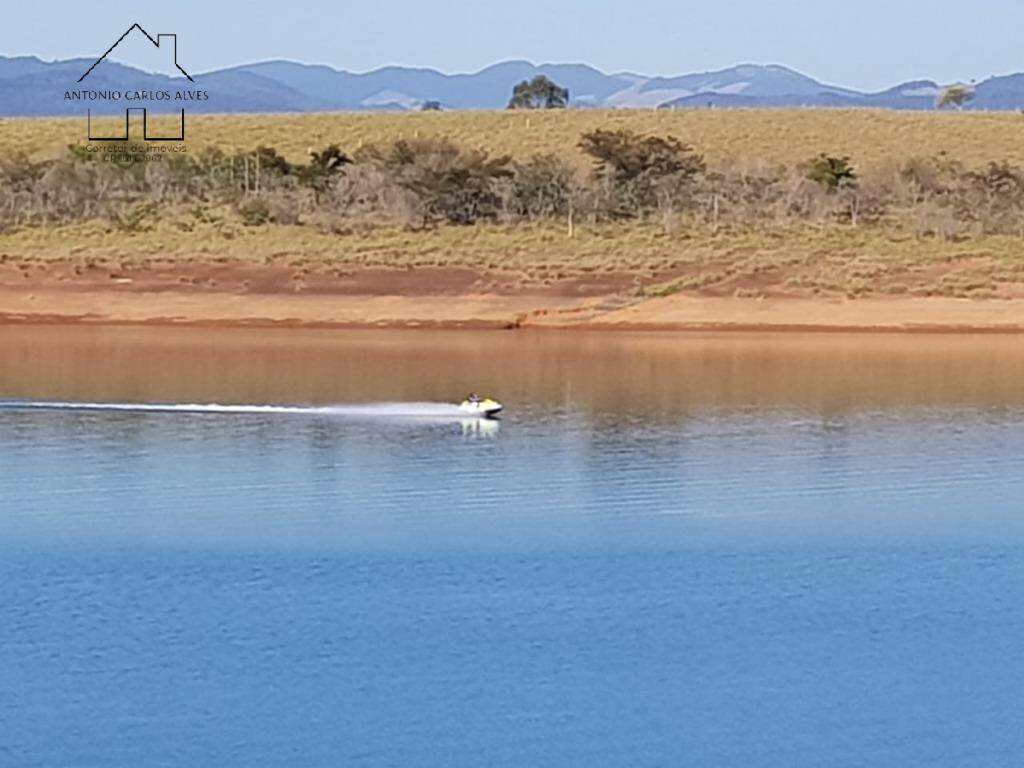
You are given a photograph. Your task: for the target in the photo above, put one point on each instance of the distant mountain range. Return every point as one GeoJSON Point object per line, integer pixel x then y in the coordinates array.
{"type": "Point", "coordinates": [30, 86]}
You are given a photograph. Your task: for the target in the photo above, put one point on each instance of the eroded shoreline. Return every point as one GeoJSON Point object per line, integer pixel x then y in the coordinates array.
{"type": "Point", "coordinates": [67, 305]}
{"type": "Point", "coordinates": [231, 293]}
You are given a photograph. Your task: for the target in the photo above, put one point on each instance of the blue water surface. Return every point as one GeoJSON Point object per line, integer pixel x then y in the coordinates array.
{"type": "Point", "coordinates": [720, 586]}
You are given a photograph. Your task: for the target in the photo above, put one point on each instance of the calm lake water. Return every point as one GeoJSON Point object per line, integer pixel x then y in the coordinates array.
{"type": "Point", "coordinates": [722, 550]}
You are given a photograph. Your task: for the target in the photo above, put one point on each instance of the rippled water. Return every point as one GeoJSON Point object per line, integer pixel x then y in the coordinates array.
{"type": "Point", "coordinates": [738, 550]}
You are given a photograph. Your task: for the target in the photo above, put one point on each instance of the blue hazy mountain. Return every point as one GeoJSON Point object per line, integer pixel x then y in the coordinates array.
{"type": "Point", "coordinates": [30, 86]}
{"type": "Point", "coordinates": [796, 90]}
{"type": "Point", "coordinates": [409, 88]}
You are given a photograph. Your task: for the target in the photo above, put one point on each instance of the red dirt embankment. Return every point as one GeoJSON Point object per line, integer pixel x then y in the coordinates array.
{"type": "Point", "coordinates": [226, 294]}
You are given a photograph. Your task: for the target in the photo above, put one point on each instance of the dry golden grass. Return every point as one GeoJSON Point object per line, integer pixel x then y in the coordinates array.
{"type": "Point", "coordinates": [838, 261]}
{"type": "Point", "coordinates": [872, 138]}
{"type": "Point", "coordinates": [799, 261]}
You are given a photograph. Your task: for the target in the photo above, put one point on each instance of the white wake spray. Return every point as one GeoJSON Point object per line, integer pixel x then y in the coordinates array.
{"type": "Point", "coordinates": [367, 410]}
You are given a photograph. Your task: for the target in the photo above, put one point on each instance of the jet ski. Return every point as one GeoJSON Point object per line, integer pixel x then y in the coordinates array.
{"type": "Point", "coordinates": [480, 406]}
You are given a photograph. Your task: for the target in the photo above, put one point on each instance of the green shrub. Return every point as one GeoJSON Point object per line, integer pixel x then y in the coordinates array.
{"type": "Point", "coordinates": [831, 173]}
{"type": "Point", "coordinates": [641, 173]}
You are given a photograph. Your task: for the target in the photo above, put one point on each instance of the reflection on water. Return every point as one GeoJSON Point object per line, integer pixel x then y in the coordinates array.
{"type": "Point", "coordinates": [550, 479]}
{"type": "Point", "coordinates": [604, 371]}
{"type": "Point", "coordinates": [610, 439]}
{"type": "Point", "coordinates": [673, 550]}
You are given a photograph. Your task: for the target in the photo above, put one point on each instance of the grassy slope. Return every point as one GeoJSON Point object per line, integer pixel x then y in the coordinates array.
{"type": "Point", "coordinates": [872, 138]}
{"type": "Point", "coordinates": [839, 260]}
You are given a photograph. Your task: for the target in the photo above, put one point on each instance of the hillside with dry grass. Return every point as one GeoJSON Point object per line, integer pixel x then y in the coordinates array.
{"type": "Point", "coordinates": [744, 203]}
{"type": "Point", "coordinates": [872, 138]}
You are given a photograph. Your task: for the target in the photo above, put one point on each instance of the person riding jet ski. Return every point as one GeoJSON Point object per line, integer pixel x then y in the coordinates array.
{"type": "Point", "coordinates": [480, 406]}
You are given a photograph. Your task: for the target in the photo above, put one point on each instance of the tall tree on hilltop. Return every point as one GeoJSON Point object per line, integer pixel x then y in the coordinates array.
{"type": "Point", "coordinates": [539, 93]}
{"type": "Point", "coordinates": [956, 95]}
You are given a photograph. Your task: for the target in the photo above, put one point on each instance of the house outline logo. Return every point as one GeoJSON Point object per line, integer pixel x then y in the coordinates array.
{"type": "Point", "coordinates": [127, 127]}
{"type": "Point", "coordinates": [156, 41]}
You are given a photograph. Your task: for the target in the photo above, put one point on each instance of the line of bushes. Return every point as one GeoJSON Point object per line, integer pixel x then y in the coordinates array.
{"type": "Point", "coordinates": [422, 183]}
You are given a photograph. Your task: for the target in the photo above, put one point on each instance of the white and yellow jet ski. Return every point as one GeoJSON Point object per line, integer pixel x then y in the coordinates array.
{"type": "Point", "coordinates": [480, 406]}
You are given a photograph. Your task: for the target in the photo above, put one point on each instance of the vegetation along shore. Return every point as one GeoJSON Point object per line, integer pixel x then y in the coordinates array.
{"type": "Point", "coordinates": [741, 218]}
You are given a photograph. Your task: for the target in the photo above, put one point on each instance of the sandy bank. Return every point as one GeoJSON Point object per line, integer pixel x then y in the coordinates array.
{"type": "Point", "coordinates": [809, 314]}
{"type": "Point", "coordinates": [40, 304]}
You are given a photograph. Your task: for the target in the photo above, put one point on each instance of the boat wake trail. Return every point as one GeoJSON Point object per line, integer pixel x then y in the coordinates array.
{"type": "Point", "coordinates": [367, 410]}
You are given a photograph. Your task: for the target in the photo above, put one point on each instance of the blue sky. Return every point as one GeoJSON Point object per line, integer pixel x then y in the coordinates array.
{"type": "Point", "coordinates": [858, 43]}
